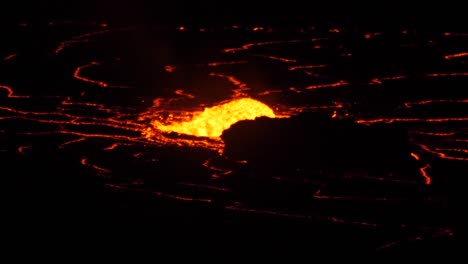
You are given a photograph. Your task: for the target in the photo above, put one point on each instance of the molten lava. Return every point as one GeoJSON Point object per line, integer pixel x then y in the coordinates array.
{"type": "Point", "coordinates": [214, 120]}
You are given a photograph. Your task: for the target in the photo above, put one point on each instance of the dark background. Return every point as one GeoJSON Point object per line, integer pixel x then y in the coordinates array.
{"type": "Point", "coordinates": [422, 14]}
{"type": "Point", "coordinates": [45, 214]}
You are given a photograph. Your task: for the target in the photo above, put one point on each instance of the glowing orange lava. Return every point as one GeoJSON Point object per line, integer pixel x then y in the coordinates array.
{"type": "Point", "coordinates": [257, 44]}
{"type": "Point", "coordinates": [455, 34]}
{"type": "Point", "coordinates": [10, 92]}
{"type": "Point", "coordinates": [456, 55]}
{"type": "Point", "coordinates": [327, 85]}
{"type": "Point", "coordinates": [214, 120]}
{"type": "Point", "coordinates": [427, 178]}
{"type": "Point", "coordinates": [221, 63]}
{"type": "Point", "coordinates": [293, 68]}
{"type": "Point", "coordinates": [415, 156]}
{"type": "Point", "coordinates": [78, 75]}
{"type": "Point", "coordinates": [275, 58]}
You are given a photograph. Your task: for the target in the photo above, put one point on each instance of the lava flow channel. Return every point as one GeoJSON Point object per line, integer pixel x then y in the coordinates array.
{"type": "Point", "coordinates": [214, 120]}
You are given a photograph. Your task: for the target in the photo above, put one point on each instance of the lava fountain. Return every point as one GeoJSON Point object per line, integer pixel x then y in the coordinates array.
{"type": "Point", "coordinates": [214, 120]}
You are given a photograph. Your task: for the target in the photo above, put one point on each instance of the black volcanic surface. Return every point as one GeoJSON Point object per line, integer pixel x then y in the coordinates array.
{"type": "Point", "coordinates": [312, 140]}
{"type": "Point", "coordinates": [77, 96]}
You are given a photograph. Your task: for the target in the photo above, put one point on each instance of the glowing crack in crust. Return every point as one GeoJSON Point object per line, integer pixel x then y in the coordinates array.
{"type": "Point", "coordinates": [214, 120]}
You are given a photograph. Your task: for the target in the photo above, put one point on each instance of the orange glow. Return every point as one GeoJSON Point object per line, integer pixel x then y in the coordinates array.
{"type": "Point", "coordinates": [455, 34]}
{"type": "Point", "coordinates": [371, 35]}
{"type": "Point", "coordinates": [456, 55]}
{"type": "Point", "coordinates": [453, 149]}
{"type": "Point", "coordinates": [276, 58]}
{"type": "Point", "coordinates": [78, 70]}
{"type": "Point", "coordinates": [245, 47]}
{"type": "Point", "coordinates": [327, 85]}
{"type": "Point", "coordinates": [221, 63]}
{"type": "Point", "coordinates": [182, 198]}
{"type": "Point", "coordinates": [84, 162]}
{"type": "Point", "coordinates": [100, 107]}
{"type": "Point", "coordinates": [169, 68]}
{"type": "Point", "coordinates": [424, 102]}
{"type": "Point", "coordinates": [375, 81]}
{"type": "Point", "coordinates": [294, 89]}
{"type": "Point", "coordinates": [183, 93]}
{"type": "Point", "coordinates": [266, 212]}
{"type": "Point", "coordinates": [231, 79]}
{"type": "Point", "coordinates": [442, 155]}
{"type": "Point", "coordinates": [427, 178]}
{"type": "Point", "coordinates": [450, 74]}
{"type": "Point", "coordinates": [20, 112]}
{"type": "Point", "coordinates": [84, 38]}
{"type": "Point", "coordinates": [64, 44]}
{"type": "Point", "coordinates": [241, 86]}
{"type": "Point", "coordinates": [22, 149]}
{"type": "Point", "coordinates": [318, 195]}
{"type": "Point", "coordinates": [164, 195]}
{"type": "Point", "coordinates": [460, 140]}
{"type": "Point", "coordinates": [399, 77]}
{"type": "Point", "coordinates": [429, 120]}
{"type": "Point", "coordinates": [63, 145]}
{"type": "Point", "coordinates": [269, 92]}
{"type": "Point", "coordinates": [112, 147]}
{"type": "Point", "coordinates": [218, 171]}
{"type": "Point", "coordinates": [213, 121]}
{"type": "Point", "coordinates": [249, 45]}
{"type": "Point", "coordinates": [389, 78]}
{"type": "Point", "coordinates": [439, 232]}
{"type": "Point", "coordinates": [10, 92]}
{"type": "Point", "coordinates": [301, 216]}
{"type": "Point", "coordinates": [203, 186]}
{"type": "Point", "coordinates": [78, 39]}
{"type": "Point", "coordinates": [78, 75]}
{"type": "Point", "coordinates": [435, 134]}
{"type": "Point", "coordinates": [293, 68]}
{"type": "Point", "coordinates": [92, 34]}
{"type": "Point", "coordinates": [415, 156]}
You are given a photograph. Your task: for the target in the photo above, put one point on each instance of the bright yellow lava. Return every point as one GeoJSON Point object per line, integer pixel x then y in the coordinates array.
{"type": "Point", "coordinates": [214, 120]}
